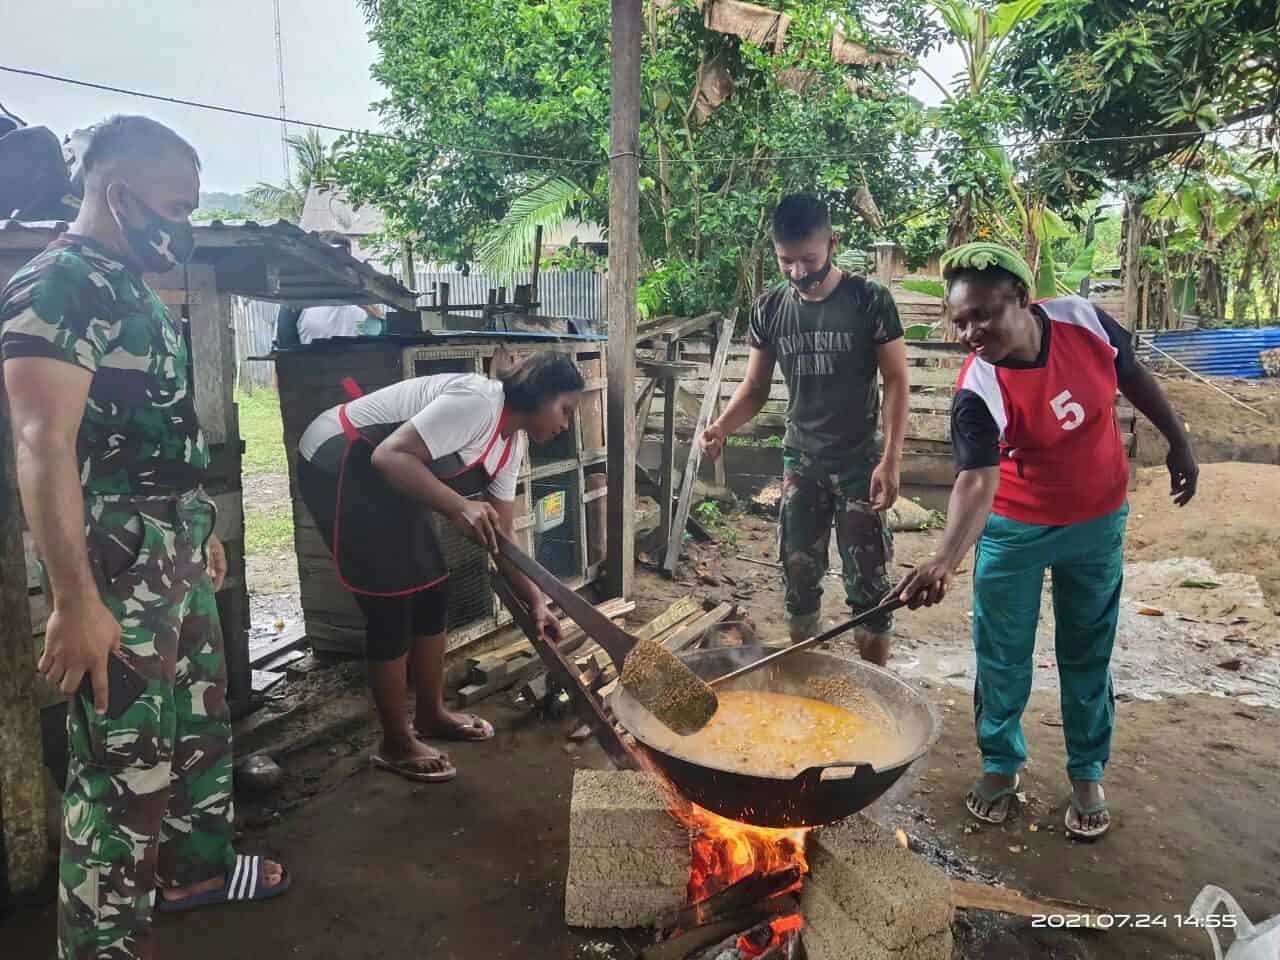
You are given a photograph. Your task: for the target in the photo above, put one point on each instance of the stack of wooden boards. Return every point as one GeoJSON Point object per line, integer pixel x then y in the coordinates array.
{"type": "Point", "coordinates": [682, 626]}
{"type": "Point", "coordinates": [515, 663]}
{"type": "Point", "coordinates": [516, 666]}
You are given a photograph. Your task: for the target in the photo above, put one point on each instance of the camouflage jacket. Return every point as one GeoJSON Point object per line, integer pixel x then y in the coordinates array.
{"type": "Point", "coordinates": [139, 434]}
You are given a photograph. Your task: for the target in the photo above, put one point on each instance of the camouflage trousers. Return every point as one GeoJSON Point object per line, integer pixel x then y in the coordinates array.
{"type": "Point", "coordinates": [148, 797]}
{"type": "Point", "coordinates": [814, 496]}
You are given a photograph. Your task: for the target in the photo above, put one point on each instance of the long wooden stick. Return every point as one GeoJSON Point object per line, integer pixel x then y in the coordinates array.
{"type": "Point", "coordinates": [968, 895]}
{"type": "Point", "coordinates": [675, 537]}
{"type": "Point", "coordinates": [566, 674]}
{"type": "Point", "coordinates": [1206, 381]}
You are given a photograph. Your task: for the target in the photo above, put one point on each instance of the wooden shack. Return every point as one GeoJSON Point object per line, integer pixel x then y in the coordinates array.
{"type": "Point", "coordinates": [560, 498]}
{"type": "Point", "coordinates": [275, 262]}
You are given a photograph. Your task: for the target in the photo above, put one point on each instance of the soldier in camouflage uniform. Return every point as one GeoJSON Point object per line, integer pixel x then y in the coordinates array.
{"type": "Point", "coordinates": [814, 496]}
{"type": "Point", "coordinates": [836, 337]}
{"type": "Point", "coordinates": [110, 459]}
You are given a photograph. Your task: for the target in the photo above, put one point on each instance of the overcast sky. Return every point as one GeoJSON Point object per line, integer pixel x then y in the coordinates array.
{"type": "Point", "coordinates": [216, 51]}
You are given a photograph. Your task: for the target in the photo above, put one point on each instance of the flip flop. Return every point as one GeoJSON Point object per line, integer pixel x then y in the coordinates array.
{"type": "Point", "coordinates": [414, 769]}
{"type": "Point", "coordinates": [246, 881]}
{"type": "Point", "coordinates": [1081, 811]}
{"type": "Point", "coordinates": [473, 730]}
{"type": "Point", "coordinates": [990, 798]}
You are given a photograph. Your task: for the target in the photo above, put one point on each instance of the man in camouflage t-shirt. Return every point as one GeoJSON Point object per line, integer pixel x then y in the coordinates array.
{"type": "Point", "coordinates": [110, 459]}
{"type": "Point", "coordinates": [836, 337]}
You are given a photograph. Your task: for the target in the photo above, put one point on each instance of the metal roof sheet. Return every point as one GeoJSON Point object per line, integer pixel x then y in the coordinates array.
{"type": "Point", "coordinates": [1223, 353]}
{"type": "Point", "coordinates": [275, 261]}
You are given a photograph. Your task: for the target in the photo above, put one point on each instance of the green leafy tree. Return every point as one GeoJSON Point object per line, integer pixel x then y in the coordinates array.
{"type": "Point", "coordinates": [209, 214]}
{"type": "Point", "coordinates": [989, 195]}
{"type": "Point", "coordinates": [1127, 81]}
{"type": "Point", "coordinates": [499, 115]}
{"type": "Point", "coordinates": [1217, 232]}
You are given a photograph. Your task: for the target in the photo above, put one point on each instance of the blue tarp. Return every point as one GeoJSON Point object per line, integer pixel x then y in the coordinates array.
{"type": "Point", "coordinates": [1222, 353]}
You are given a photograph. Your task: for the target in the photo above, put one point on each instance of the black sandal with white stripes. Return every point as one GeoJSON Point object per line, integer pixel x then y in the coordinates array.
{"type": "Point", "coordinates": [246, 881]}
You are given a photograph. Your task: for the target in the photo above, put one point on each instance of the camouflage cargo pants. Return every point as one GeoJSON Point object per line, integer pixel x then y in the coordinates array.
{"type": "Point", "coordinates": [814, 496]}
{"type": "Point", "coordinates": [148, 797]}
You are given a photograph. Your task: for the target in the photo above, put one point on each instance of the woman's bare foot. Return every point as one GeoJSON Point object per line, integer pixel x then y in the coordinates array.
{"type": "Point", "coordinates": [407, 750]}
{"type": "Point", "coordinates": [1087, 813]}
{"type": "Point", "coordinates": [991, 797]}
{"type": "Point", "coordinates": [445, 725]}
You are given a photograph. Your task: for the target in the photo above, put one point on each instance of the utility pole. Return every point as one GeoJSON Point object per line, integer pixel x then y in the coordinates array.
{"type": "Point", "coordinates": [284, 126]}
{"type": "Point", "coordinates": [624, 274]}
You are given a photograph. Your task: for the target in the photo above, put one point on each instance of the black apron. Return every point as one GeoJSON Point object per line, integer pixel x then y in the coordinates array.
{"type": "Point", "coordinates": [384, 543]}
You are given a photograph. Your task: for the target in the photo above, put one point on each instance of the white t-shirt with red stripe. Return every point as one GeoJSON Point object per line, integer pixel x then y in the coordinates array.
{"type": "Point", "coordinates": [1050, 424]}
{"type": "Point", "coordinates": [456, 414]}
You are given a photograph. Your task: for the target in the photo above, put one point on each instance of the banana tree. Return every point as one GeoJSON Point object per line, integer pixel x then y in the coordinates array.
{"type": "Point", "coordinates": [1222, 220]}
{"type": "Point", "coordinates": [973, 112]}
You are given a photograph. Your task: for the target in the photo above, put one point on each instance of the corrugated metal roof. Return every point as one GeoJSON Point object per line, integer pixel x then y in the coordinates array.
{"type": "Point", "coordinates": [1223, 353]}
{"type": "Point", "coordinates": [275, 261]}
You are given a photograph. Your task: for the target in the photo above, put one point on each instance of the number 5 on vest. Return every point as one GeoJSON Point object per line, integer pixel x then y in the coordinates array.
{"type": "Point", "coordinates": [1069, 413]}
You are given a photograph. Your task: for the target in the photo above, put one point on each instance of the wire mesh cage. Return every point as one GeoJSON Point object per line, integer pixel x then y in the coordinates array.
{"type": "Point", "coordinates": [564, 446]}
{"type": "Point", "coordinates": [470, 589]}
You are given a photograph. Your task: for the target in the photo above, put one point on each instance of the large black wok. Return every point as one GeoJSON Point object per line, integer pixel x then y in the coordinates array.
{"type": "Point", "coordinates": [820, 794]}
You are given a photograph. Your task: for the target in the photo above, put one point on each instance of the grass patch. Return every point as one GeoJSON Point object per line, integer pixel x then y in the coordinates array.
{"type": "Point", "coordinates": [708, 512]}
{"type": "Point", "coordinates": [269, 532]}
{"type": "Point", "coordinates": [262, 431]}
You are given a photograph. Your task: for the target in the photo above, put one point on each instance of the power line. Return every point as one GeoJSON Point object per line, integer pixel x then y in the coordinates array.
{"type": "Point", "coordinates": [255, 115]}
{"type": "Point", "coordinates": [481, 151]}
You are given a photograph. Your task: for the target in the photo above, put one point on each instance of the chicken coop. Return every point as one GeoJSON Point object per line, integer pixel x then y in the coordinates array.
{"type": "Point", "coordinates": [560, 497]}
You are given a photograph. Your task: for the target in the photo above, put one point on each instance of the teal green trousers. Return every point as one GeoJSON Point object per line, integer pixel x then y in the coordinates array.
{"type": "Point", "coordinates": [1086, 564]}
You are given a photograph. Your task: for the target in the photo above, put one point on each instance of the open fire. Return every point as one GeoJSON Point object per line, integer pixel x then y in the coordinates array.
{"type": "Point", "coordinates": [724, 852]}
{"type": "Point", "coordinates": [737, 869]}
{"type": "Point", "coordinates": [777, 937]}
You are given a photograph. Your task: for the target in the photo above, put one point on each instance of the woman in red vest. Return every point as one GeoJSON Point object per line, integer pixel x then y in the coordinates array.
{"type": "Point", "coordinates": [377, 473]}
{"type": "Point", "coordinates": [1041, 483]}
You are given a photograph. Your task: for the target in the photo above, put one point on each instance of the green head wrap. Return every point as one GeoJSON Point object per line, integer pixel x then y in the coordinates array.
{"type": "Point", "coordinates": [983, 256]}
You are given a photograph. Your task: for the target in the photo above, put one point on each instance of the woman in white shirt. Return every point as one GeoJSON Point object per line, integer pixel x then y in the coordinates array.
{"type": "Point", "coordinates": [373, 470]}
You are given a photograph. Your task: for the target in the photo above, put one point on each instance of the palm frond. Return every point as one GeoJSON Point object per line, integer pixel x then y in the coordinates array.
{"type": "Point", "coordinates": [509, 246]}
{"type": "Point", "coordinates": [272, 202]}
{"type": "Point", "coordinates": [312, 157]}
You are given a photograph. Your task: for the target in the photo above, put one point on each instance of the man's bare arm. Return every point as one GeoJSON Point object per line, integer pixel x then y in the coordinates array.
{"type": "Point", "coordinates": [891, 358]}
{"type": "Point", "coordinates": [752, 394]}
{"type": "Point", "coordinates": [748, 400]}
{"type": "Point", "coordinates": [46, 403]}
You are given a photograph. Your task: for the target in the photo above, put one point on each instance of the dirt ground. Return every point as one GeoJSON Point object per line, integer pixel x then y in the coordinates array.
{"type": "Point", "coordinates": [1241, 535]}
{"type": "Point", "coordinates": [383, 868]}
{"type": "Point", "coordinates": [1220, 429]}
{"type": "Point", "coordinates": [474, 870]}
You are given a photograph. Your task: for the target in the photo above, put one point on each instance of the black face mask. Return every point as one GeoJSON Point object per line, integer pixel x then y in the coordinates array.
{"type": "Point", "coordinates": [161, 244]}
{"type": "Point", "coordinates": [812, 281]}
